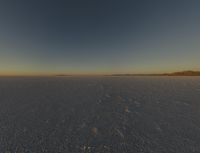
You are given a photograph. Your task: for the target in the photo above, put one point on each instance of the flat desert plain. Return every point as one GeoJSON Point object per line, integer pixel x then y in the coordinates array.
{"type": "Point", "coordinates": [100, 114]}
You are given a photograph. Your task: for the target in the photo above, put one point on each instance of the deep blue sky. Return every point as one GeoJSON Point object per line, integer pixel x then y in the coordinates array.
{"type": "Point", "coordinates": [99, 36]}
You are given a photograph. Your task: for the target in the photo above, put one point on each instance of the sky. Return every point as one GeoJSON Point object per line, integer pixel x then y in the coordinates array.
{"type": "Point", "coordinates": [47, 37]}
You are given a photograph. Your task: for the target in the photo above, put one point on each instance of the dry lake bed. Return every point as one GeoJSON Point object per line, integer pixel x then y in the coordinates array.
{"type": "Point", "coordinates": [100, 115]}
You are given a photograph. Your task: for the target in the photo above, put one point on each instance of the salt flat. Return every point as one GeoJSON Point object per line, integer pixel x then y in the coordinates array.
{"type": "Point", "coordinates": [100, 115]}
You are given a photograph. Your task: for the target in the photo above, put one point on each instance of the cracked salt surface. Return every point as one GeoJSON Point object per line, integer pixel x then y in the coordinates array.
{"type": "Point", "coordinates": [100, 115]}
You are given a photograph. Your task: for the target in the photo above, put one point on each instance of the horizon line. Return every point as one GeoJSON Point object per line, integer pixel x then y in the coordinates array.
{"type": "Point", "coordinates": [184, 72]}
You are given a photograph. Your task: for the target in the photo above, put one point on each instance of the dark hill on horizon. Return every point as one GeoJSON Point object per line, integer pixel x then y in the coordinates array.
{"type": "Point", "coordinates": [185, 73]}
{"type": "Point", "coordinates": [181, 73]}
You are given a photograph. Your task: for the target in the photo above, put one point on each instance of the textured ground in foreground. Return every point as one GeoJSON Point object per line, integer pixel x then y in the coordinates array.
{"type": "Point", "coordinates": [100, 115]}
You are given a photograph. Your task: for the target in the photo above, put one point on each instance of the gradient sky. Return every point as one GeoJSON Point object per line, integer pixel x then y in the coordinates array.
{"type": "Point", "coordinates": [39, 37]}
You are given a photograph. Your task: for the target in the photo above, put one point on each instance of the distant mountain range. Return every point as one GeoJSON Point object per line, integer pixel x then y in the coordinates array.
{"type": "Point", "coordinates": [181, 73]}
{"type": "Point", "coordinates": [184, 73]}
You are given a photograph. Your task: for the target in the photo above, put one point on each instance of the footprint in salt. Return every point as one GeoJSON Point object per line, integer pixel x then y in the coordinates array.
{"type": "Point", "coordinates": [127, 110]}
{"type": "Point", "coordinates": [137, 103]}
